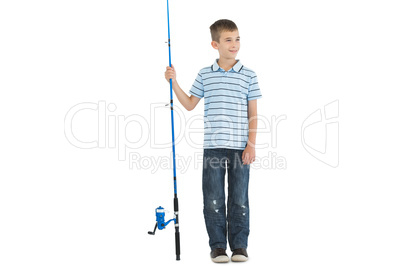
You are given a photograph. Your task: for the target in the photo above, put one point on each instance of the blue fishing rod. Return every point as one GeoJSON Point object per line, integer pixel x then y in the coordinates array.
{"type": "Point", "coordinates": [160, 212]}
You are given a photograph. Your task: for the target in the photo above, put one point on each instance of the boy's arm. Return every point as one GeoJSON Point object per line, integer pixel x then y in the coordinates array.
{"type": "Point", "coordinates": [252, 124]}
{"type": "Point", "coordinates": [188, 102]}
{"type": "Point", "coordinates": [248, 156]}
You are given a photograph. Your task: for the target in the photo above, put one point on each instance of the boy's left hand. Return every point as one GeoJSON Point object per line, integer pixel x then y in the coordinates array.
{"type": "Point", "coordinates": [248, 156]}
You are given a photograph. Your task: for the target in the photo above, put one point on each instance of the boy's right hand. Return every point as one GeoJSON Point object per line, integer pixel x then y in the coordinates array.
{"type": "Point", "coordinates": [170, 74]}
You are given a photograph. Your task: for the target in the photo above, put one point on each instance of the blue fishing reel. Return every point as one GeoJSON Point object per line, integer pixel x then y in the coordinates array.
{"type": "Point", "coordinates": [160, 220]}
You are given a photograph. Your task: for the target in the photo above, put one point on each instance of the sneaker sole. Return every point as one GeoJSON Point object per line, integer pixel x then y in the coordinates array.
{"type": "Point", "coordinates": [239, 258]}
{"type": "Point", "coordinates": [220, 259]}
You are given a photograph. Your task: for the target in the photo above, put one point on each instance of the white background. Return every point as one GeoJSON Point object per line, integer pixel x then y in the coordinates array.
{"type": "Point", "coordinates": [63, 206]}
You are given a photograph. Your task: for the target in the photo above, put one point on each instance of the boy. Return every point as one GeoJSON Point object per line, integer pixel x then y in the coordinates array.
{"type": "Point", "coordinates": [231, 91]}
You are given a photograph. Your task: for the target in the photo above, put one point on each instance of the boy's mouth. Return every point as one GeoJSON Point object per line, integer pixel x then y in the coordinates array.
{"type": "Point", "coordinates": [233, 51]}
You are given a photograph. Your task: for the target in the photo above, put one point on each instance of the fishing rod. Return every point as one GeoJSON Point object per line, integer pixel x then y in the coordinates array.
{"type": "Point", "coordinates": [160, 212]}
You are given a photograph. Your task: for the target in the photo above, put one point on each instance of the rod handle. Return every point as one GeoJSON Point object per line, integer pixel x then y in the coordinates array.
{"type": "Point", "coordinates": [177, 235]}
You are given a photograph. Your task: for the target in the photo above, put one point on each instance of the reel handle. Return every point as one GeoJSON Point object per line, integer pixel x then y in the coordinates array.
{"type": "Point", "coordinates": [153, 233]}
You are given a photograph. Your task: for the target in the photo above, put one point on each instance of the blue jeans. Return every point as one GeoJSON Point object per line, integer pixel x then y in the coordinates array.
{"type": "Point", "coordinates": [234, 225]}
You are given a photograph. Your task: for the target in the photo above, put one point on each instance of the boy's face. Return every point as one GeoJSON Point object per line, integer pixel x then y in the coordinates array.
{"type": "Point", "coordinates": [229, 44]}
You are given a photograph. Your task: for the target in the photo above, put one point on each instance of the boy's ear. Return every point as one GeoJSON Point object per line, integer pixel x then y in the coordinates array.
{"type": "Point", "coordinates": [214, 44]}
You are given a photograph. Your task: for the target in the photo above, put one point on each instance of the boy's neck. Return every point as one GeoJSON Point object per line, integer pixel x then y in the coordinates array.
{"type": "Point", "coordinates": [226, 64]}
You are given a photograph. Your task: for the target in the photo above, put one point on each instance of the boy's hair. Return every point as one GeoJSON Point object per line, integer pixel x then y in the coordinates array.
{"type": "Point", "coordinates": [220, 26]}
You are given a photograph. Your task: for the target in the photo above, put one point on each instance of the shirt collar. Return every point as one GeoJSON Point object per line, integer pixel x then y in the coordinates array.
{"type": "Point", "coordinates": [237, 67]}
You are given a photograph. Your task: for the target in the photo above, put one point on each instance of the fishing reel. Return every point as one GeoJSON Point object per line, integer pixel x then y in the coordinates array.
{"type": "Point", "coordinates": [160, 220]}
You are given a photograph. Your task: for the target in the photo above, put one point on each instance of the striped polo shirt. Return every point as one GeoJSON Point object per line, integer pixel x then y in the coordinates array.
{"type": "Point", "coordinates": [226, 96]}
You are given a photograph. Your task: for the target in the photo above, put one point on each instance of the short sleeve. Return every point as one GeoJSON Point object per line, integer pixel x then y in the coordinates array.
{"type": "Point", "coordinates": [198, 88]}
{"type": "Point", "coordinates": [254, 91]}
